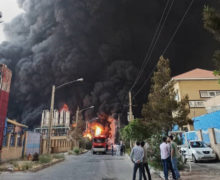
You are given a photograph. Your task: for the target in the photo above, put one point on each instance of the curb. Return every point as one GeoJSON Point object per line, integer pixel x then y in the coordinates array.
{"type": "Point", "coordinates": [46, 165]}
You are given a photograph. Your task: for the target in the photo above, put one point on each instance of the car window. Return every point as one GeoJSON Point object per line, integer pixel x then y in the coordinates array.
{"type": "Point", "coordinates": [99, 140]}
{"type": "Point", "coordinates": [197, 144]}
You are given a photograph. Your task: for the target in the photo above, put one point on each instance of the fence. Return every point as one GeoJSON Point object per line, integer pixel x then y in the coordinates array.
{"type": "Point", "coordinates": [191, 135]}
{"type": "Point", "coordinates": [32, 143]}
{"type": "Point", "coordinates": [217, 135]}
{"type": "Point", "coordinates": [205, 136]}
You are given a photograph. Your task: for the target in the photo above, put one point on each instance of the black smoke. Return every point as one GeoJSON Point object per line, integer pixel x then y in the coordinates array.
{"type": "Point", "coordinates": [103, 41]}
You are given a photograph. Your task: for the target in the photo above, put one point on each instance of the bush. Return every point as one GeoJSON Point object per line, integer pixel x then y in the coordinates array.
{"type": "Point", "coordinates": [26, 166]}
{"type": "Point", "coordinates": [76, 150]}
{"type": "Point", "coordinates": [45, 158]}
{"type": "Point", "coordinates": [15, 164]}
{"type": "Point", "coordinates": [58, 156]}
{"type": "Point", "coordinates": [154, 151]}
{"type": "Point", "coordinates": [35, 157]}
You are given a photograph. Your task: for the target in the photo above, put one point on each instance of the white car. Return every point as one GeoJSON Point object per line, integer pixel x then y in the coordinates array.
{"type": "Point", "coordinates": [198, 151]}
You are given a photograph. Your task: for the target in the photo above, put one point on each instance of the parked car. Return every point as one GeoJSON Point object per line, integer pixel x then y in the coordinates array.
{"type": "Point", "coordinates": [197, 151]}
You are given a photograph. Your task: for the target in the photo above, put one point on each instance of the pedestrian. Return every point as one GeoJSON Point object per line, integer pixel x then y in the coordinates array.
{"type": "Point", "coordinates": [122, 149]}
{"type": "Point", "coordinates": [112, 150]}
{"type": "Point", "coordinates": [170, 166]}
{"type": "Point", "coordinates": [145, 163]}
{"type": "Point", "coordinates": [174, 157]}
{"type": "Point", "coordinates": [165, 157]}
{"type": "Point", "coordinates": [118, 148]}
{"type": "Point", "coordinates": [137, 155]}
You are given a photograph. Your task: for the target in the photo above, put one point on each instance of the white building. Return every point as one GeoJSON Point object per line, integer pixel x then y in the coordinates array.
{"type": "Point", "coordinates": [61, 118]}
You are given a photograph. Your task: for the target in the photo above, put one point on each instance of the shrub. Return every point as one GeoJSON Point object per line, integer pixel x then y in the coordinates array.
{"type": "Point", "coordinates": [45, 158]}
{"type": "Point", "coordinates": [15, 164]}
{"type": "Point", "coordinates": [35, 157]}
{"type": "Point", "coordinates": [26, 166]}
{"type": "Point", "coordinates": [154, 151]}
{"type": "Point", "coordinates": [70, 152]}
{"type": "Point", "coordinates": [58, 156]}
{"type": "Point", "coordinates": [76, 150]}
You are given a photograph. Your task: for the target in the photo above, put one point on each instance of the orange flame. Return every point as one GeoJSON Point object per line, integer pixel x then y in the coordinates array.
{"type": "Point", "coordinates": [98, 130]}
{"type": "Point", "coordinates": [88, 135]}
{"type": "Point", "coordinates": [64, 108]}
{"type": "Point", "coordinates": [74, 125]}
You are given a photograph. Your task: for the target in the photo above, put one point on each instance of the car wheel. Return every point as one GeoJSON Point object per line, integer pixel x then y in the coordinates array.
{"type": "Point", "coordinates": [93, 152]}
{"type": "Point", "coordinates": [194, 159]}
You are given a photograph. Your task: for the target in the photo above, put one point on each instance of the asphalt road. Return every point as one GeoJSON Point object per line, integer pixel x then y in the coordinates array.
{"type": "Point", "coordinates": [83, 167]}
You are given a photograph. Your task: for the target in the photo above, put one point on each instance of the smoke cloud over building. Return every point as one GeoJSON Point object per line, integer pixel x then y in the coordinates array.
{"type": "Point", "coordinates": [103, 41]}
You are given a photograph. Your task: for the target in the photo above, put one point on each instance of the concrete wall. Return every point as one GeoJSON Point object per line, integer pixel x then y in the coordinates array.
{"type": "Point", "coordinates": [58, 144]}
{"type": "Point", "coordinates": [214, 145]}
{"type": "Point", "coordinates": [12, 152]}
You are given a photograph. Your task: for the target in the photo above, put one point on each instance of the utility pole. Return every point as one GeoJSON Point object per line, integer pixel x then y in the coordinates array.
{"type": "Point", "coordinates": [51, 119]}
{"type": "Point", "coordinates": [131, 117]}
{"type": "Point", "coordinates": [77, 115]}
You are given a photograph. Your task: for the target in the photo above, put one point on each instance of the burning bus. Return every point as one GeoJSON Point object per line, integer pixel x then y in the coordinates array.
{"type": "Point", "coordinates": [99, 144]}
{"type": "Point", "coordinates": [102, 132]}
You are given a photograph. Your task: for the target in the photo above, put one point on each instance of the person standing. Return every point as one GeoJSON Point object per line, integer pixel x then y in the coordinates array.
{"type": "Point", "coordinates": [145, 163]}
{"type": "Point", "coordinates": [137, 155]}
{"type": "Point", "coordinates": [165, 157]}
{"type": "Point", "coordinates": [174, 157]}
{"type": "Point", "coordinates": [112, 150]}
{"type": "Point", "coordinates": [169, 159]}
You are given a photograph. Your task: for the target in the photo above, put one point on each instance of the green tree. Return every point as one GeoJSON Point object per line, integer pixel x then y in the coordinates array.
{"type": "Point", "coordinates": [162, 111]}
{"type": "Point", "coordinates": [211, 19]}
{"type": "Point", "coordinates": [135, 130]}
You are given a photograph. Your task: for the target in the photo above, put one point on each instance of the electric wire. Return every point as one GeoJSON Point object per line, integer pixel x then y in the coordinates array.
{"type": "Point", "coordinates": [170, 41]}
{"type": "Point", "coordinates": [152, 44]}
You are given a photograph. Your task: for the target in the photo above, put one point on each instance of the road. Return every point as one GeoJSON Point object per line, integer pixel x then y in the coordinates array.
{"type": "Point", "coordinates": [203, 171]}
{"type": "Point", "coordinates": [83, 167]}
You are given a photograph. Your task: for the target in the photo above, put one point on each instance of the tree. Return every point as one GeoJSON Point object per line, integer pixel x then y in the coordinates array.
{"type": "Point", "coordinates": [162, 111]}
{"type": "Point", "coordinates": [211, 19]}
{"type": "Point", "coordinates": [135, 130]}
{"type": "Point", "coordinates": [76, 134]}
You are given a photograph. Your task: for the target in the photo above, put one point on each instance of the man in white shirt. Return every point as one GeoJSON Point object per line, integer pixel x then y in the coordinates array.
{"type": "Point", "coordinates": [165, 157]}
{"type": "Point", "coordinates": [137, 155]}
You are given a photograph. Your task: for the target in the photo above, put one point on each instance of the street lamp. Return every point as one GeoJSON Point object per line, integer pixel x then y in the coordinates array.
{"type": "Point", "coordinates": [52, 109]}
{"type": "Point", "coordinates": [79, 111]}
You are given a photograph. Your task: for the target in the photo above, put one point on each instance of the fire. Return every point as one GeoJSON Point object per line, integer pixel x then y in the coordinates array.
{"type": "Point", "coordinates": [74, 125]}
{"type": "Point", "coordinates": [88, 135]}
{"type": "Point", "coordinates": [98, 131]}
{"type": "Point", "coordinates": [64, 108]}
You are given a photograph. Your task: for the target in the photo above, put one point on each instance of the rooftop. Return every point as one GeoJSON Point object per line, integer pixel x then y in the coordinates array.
{"type": "Point", "coordinates": [196, 74]}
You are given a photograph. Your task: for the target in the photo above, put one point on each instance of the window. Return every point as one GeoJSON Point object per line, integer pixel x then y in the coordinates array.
{"type": "Point", "coordinates": [208, 94]}
{"type": "Point", "coordinates": [196, 104]}
{"type": "Point", "coordinates": [177, 95]}
{"type": "Point", "coordinates": [100, 140]}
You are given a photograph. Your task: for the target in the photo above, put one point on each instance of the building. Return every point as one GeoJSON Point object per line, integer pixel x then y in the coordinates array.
{"type": "Point", "coordinates": [199, 85]}
{"type": "Point", "coordinates": [212, 104]}
{"type": "Point", "coordinates": [60, 122]}
{"type": "Point", "coordinates": [5, 83]}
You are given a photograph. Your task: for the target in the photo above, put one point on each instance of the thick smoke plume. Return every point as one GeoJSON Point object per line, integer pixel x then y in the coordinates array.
{"type": "Point", "coordinates": [103, 41]}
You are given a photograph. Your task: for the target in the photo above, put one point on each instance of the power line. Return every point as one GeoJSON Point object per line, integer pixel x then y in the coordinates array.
{"type": "Point", "coordinates": [158, 29]}
{"type": "Point", "coordinates": [180, 23]}
{"type": "Point", "coordinates": [148, 59]}
{"type": "Point", "coordinates": [170, 41]}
